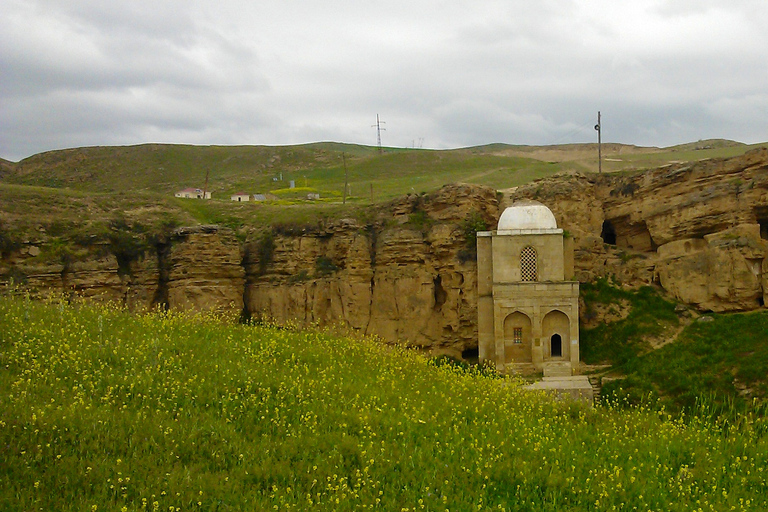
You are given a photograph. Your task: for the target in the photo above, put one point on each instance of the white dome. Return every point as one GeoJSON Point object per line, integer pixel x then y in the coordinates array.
{"type": "Point", "coordinates": [527, 215]}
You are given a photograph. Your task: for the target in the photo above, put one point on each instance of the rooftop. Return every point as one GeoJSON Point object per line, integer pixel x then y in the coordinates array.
{"type": "Point", "coordinates": [527, 215]}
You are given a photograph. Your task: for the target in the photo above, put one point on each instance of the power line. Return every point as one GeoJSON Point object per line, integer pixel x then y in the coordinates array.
{"type": "Point", "coordinates": [586, 128]}
{"type": "Point", "coordinates": [378, 131]}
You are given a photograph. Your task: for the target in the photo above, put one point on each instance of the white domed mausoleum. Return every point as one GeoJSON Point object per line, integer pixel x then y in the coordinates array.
{"type": "Point", "coordinates": [528, 304]}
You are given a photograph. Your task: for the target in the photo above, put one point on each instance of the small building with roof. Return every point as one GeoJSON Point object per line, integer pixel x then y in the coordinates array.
{"type": "Point", "coordinates": [528, 302]}
{"type": "Point", "coordinates": [240, 197]}
{"type": "Point", "coordinates": [193, 193]}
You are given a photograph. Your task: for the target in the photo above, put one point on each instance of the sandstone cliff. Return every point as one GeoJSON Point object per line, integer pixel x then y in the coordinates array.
{"type": "Point", "coordinates": [197, 268]}
{"type": "Point", "coordinates": [408, 274]}
{"type": "Point", "coordinates": [700, 231]}
{"type": "Point", "coordinates": [402, 277]}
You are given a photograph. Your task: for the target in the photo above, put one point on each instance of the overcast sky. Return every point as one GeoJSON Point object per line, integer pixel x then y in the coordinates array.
{"type": "Point", "coordinates": [440, 73]}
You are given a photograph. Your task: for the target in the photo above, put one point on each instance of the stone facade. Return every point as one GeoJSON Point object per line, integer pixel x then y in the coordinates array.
{"type": "Point", "coordinates": [528, 313]}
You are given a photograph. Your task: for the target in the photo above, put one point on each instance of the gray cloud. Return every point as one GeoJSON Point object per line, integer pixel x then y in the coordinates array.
{"type": "Point", "coordinates": [452, 73]}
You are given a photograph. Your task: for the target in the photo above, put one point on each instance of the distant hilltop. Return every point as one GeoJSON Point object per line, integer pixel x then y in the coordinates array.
{"type": "Point", "coordinates": [325, 166]}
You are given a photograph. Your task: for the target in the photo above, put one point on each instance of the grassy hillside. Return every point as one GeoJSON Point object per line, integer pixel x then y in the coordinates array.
{"type": "Point", "coordinates": [79, 193]}
{"type": "Point", "coordinates": [663, 355]}
{"type": "Point", "coordinates": [77, 190]}
{"type": "Point", "coordinates": [722, 359]}
{"type": "Point", "coordinates": [166, 168]}
{"type": "Point", "coordinates": [101, 410]}
{"type": "Point", "coordinates": [230, 169]}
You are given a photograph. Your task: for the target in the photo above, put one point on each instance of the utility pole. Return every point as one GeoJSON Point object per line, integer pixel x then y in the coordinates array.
{"type": "Point", "coordinates": [599, 129]}
{"type": "Point", "coordinates": [378, 131]}
{"type": "Point", "coordinates": [205, 187]}
{"type": "Point", "coordinates": [344, 159]}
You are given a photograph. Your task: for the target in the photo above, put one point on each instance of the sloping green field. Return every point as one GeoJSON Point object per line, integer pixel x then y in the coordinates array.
{"type": "Point", "coordinates": [714, 364]}
{"type": "Point", "coordinates": [166, 168]}
{"type": "Point", "coordinates": [82, 190]}
{"type": "Point", "coordinates": [102, 410]}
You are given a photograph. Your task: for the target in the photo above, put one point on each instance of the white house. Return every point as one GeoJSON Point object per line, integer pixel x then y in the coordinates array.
{"type": "Point", "coordinates": [193, 193]}
{"type": "Point", "coordinates": [240, 196]}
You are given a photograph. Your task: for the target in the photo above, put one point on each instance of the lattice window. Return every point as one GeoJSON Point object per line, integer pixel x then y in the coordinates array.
{"type": "Point", "coordinates": [528, 264]}
{"type": "Point", "coordinates": [518, 335]}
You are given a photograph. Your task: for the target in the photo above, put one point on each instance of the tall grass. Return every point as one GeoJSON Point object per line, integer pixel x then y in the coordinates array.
{"type": "Point", "coordinates": [619, 343]}
{"type": "Point", "coordinates": [101, 410]}
{"type": "Point", "coordinates": [723, 360]}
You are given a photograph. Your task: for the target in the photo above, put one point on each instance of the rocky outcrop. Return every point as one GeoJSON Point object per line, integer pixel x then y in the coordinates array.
{"type": "Point", "coordinates": [687, 269]}
{"type": "Point", "coordinates": [403, 277]}
{"type": "Point", "coordinates": [407, 273]}
{"type": "Point", "coordinates": [197, 268]}
{"type": "Point", "coordinates": [699, 231]}
{"type": "Point", "coordinates": [201, 270]}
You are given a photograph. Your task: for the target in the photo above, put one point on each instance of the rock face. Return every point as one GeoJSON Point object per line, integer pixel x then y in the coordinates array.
{"type": "Point", "coordinates": [197, 268]}
{"type": "Point", "coordinates": [403, 278]}
{"type": "Point", "coordinates": [202, 270]}
{"type": "Point", "coordinates": [408, 272]}
{"type": "Point", "coordinates": [700, 231]}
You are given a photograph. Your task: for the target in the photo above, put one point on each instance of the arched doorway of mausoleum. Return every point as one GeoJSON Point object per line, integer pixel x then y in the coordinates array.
{"type": "Point", "coordinates": [556, 329]}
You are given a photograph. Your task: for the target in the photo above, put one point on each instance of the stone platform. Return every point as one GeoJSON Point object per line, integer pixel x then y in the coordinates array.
{"type": "Point", "coordinates": [558, 369]}
{"type": "Point", "coordinates": [577, 387]}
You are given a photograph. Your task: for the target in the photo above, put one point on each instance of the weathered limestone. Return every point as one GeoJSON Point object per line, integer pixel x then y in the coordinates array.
{"type": "Point", "coordinates": [197, 269]}
{"type": "Point", "coordinates": [699, 231]}
{"type": "Point", "coordinates": [143, 283]}
{"type": "Point", "coordinates": [204, 270]}
{"type": "Point", "coordinates": [94, 279]}
{"type": "Point", "coordinates": [735, 255]}
{"type": "Point", "coordinates": [673, 227]}
{"type": "Point", "coordinates": [400, 284]}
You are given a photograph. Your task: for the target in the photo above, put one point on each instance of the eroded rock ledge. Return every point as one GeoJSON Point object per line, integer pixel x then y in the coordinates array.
{"type": "Point", "coordinates": [699, 231]}
{"type": "Point", "coordinates": [408, 274]}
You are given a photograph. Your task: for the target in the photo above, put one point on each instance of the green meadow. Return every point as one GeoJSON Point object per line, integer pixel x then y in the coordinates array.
{"type": "Point", "coordinates": [102, 410]}
{"type": "Point", "coordinates": [324, 167]}
{"type": "Point", "coordinates": [713, 364]}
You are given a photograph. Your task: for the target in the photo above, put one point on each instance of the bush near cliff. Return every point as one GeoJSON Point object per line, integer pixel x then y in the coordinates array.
{"type": "Point", "coordinates": [103, 410]}
{"type": "Point", "coordinates": [469, 228]}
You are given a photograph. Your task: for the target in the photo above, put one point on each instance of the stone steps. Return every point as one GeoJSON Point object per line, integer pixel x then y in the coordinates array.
{"type": "Point", "coordinates": [522, 369]}
{"type": "Point", "coordinates": [577, 387]}
{"type": "Point", "coordinates": [558, 369]}
{"type": "Point", "coordinates": [594, 380]}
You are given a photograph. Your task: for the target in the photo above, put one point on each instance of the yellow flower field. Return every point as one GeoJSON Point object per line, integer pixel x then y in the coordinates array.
{"type": "Point", "coordinates": [104, 410]}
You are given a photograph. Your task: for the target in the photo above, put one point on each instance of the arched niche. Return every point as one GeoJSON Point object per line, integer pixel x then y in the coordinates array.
{"type": "Point", "coordinates": [556, 333]}
{"type": "Point", "coordinates": [517, 338]}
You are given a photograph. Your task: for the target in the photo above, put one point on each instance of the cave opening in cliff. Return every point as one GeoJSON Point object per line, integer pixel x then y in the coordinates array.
{"type": "Point", "coordinates": [761, 215]}
{"type": "Point", "coordinates": [628, 234]}
{"type": "Point", "coordinates": [608, 234]}
{"type": "Point", "coordinates": [763, 228]}
{"type": "Point", "coordinates": [471, 355]}
{"type": "Point", "coordinates": [440, 294]}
